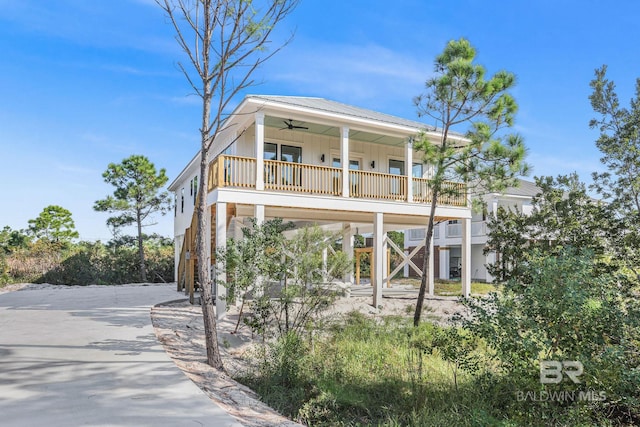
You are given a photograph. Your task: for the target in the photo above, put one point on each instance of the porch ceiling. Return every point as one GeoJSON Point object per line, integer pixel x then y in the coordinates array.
{"type": "Point", "coordinates": [304, 216]}
{"type": "Point", "coordinates": [331, 130]}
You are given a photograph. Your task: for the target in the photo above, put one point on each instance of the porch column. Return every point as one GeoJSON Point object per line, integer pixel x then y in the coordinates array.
{"type": "Point", "coordinates": [385, 260]}
{"type": "Point", "coordinates": [344, 158]}
{"type": "Point", "coordinates": [494, 207]}
{"type": "Point", "coordinates": [209, 245]}
{"type": "Point", "coordinates": [432, 273]}
{"type": "Point", "coordinates": [409, 168]}
{"type": "Point", "coordinates": [221, 242]}
{"type": "Point", "coordinates": [258, 214]}
{"type": "Point", "coordinates": [259, 150]}
{"type": "Point", "coordinates": [347, 248]}
{"type": "Point", "coordinates": [378, 259]}
{"type": "Point", "coordinates": [444, 263]}
{"type": "Point", "coordinates": [466, 257]}
{"type": "Point", "coordinates": [237, 236]}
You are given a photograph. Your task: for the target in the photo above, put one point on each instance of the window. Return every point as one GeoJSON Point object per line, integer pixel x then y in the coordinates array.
{"type": "Point", "coordinates": [270, 151]}
{"type": "Point", "coordinates": [195, 189]}
{"type": "Point", "coordinates": [291, 175]}
{"type": "Point", "coordinates": [354, 164]}
{"type": "Point", "coordinates": [416, 170]}
{"type": "Point", "coordinates": [396, 167]}
{"type": "Point", "coordinates": [175, 204]}
{"type": "Point", "coordinates": [279, 174]}
{"type": "Point", "coordinates": [191, 187]}
{"type": "Point", "coordinates": [182, 201]}
{"type": "Point", "coordinates": [354, 179]}
{"type": "Point", "coordinates": [291, 154]}
{"type": "Point", "coordinates": [419, 187]}
{"type": "Point", "coordinates": [417, 233]}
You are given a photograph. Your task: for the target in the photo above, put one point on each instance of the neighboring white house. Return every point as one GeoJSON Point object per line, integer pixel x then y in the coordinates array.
{"type": "Point", "coordinates": [319, 161]}
{"type": "Point", "coordinates": [447, 235]}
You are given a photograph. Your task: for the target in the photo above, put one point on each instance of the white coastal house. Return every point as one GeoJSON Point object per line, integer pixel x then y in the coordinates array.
{"type": "Point", "coordinates": [448, 237]}
{"type": "Point", "coordinates": [312, 160]}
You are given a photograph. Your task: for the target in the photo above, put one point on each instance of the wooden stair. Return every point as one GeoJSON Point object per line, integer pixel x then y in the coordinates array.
{"type": "Point", "coordinates": [188, 262]}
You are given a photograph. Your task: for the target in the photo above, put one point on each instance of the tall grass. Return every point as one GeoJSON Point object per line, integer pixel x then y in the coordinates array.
{"type": "Point", "coordinates": [366, 372]}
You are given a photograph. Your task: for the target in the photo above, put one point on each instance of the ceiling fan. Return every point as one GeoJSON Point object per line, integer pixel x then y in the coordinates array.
{"type": "Point", "coordinates": [289, 125]}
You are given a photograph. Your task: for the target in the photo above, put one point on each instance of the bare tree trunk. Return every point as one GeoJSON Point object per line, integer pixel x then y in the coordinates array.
{"type": "Point", "coordinates": [143, 267]}
{"type": "Point", "coordinates": [204, 279]}
{"type": "Point", "coordinates": [426, 271]}
{"type": "Point", "coordinates": [227, 35]}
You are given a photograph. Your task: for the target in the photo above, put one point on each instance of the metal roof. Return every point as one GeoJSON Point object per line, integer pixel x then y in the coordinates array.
{"type": "Point", "coordinates": [525, 189]}
{"type": "Point", "coordinates": [329, 106]}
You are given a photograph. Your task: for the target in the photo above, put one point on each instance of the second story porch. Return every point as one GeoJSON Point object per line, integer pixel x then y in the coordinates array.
{"type": "Point", "coordinates": [231, 171]}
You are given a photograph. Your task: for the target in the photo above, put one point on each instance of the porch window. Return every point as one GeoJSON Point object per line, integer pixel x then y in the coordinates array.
{"type": "Point", "coordinates": [270, 153]}
{"type": "Point", "coordinates": [354, 178]}
{"type": "Point", "coordinates": [418, 187]}
{"type": "Point", "coordinates": [291, 175]}
{"type": "Point", "coordinates": [416, 170]}
{"type": "Point", "coordinates": [396, 167]}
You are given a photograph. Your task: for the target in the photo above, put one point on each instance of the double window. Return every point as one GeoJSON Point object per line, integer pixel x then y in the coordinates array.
{"type": "Point", "coordinates": [277, 174]}
{"type": "Point", "coordinates": [354, 179]}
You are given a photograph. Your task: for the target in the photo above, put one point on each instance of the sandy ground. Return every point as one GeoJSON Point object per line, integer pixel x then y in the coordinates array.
{"type": "Point", "coordinates": [179, 327]}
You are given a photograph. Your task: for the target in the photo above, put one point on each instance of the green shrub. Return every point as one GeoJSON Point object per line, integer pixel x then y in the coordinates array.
{"type": "Point", "coordinates": [564, 307]}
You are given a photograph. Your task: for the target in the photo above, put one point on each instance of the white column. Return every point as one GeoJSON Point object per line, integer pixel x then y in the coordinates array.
{"type": "Point", "coordinates": [344, 158]}
{"type": "Point", "coordinates": [221, 242]}
{"type": "Point", "coordinates": [207, 238]}
{"type": "Point", "coordinates": [259, 150]}
{"type": "Point", "coordinates": [385, 270]}
{"type": "Point", "coordinates": [237, 235]}
{"type": "Point", "coordinates": [466, 257]}
{"type": "Point", "coordinates": [432, 273]}
{"type": "Point", "coordinates": [444, 263]}
{"type": "Point", "coordinates": [347, 248]}
{"type": "Point", "coordinates": [378, 259]}
{"type": "Point", "coordinates": [408, 156]}
{"type": "Point", "coordinates": [259, 214]}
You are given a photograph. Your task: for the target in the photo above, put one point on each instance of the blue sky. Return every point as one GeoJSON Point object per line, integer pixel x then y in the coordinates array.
{"type": "Point", "coordinates": [87, 82]}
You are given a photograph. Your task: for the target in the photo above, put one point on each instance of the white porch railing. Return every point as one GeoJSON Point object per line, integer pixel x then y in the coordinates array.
{"type": "Point", "coordinates": [478, 228]}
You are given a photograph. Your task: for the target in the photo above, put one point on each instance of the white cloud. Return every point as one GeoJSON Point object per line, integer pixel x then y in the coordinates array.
{"type": "Point", "coordinates": [349, 72]}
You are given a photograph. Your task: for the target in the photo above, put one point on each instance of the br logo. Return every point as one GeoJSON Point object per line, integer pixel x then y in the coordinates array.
{"type": "Point", "coordinates": [552, 371]}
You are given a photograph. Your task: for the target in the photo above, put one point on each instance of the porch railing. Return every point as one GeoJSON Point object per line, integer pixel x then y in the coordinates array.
{"type": "Point", "coordinates": [478, 228]}
{"type": "Point", "coordinates": [375, 185]}
{"type": "Point", "coordinates": [237, 171]}
{"type": "Point", "coordinates": [301, 178]}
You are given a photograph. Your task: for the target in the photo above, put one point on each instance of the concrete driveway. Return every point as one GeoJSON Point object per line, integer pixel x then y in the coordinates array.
{"type": "Point", "coordinates": [88, 356]}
